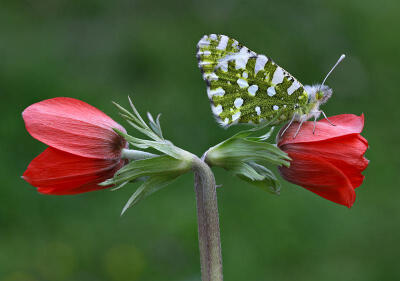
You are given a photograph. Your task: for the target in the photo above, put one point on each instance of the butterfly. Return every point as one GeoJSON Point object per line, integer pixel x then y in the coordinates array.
{"type": "Point", "coordinates": [246, 87]}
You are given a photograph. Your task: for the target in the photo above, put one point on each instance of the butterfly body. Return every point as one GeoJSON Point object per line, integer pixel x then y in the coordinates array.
{"type": "Point", "coordinates": [245, 87]}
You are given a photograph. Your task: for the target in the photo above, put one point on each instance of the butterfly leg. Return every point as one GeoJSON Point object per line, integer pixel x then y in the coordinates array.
{"type": "Point", "coordinates": [327, 118]}
{"type": "Point", "coordinates": [315, 122]}
{"type": "Point", "coordinates": [287, 127]}
{"type": "Point", "coordinates": [298, 129]}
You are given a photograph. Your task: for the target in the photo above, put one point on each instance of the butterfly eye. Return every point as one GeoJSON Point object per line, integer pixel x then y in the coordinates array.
{"type": "Point", "coordinates": [320, 95]}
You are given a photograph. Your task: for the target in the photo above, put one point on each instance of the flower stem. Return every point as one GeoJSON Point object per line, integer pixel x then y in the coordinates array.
{"type": "Point", "coordinates": [207, 213]}
{"type": "Point", "coordinates": [208, 222]}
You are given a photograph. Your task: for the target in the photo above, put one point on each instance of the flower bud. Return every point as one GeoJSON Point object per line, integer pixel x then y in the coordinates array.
{"type": "Point", "coordinates": [84, 149]}
{"type": "Point", "coordinates": [329, 162]}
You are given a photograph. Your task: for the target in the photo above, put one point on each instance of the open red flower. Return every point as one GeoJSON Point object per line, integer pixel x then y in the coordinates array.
{"type": "Point", "coordinates": [83, 148]}
{"type": "Point", "coordinates": [329, 162]}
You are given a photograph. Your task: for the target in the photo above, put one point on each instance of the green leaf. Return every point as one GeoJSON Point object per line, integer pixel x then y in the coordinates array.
{"type": "Point", "coordinates": [150, 186]}
{"type": "Point", "coordinates": [155, 125]}
{"type": "Point", "coordinates": [119, 186]}
{"type": "Point", "coordinates": [239, 149]}
{"type": "Point", "coordinates": [126, 114]}
{"type": "Point", "coordinates": [248, 156]}
{"type": "Point", "coordinates": [156, 173]}
{"type": "Point", "coordinates": [144, 131]}
{"type": "Point", "coordinates": [269, 182]}
{"type": "Point", "coordinates": [137, 113]}
{"type": "Point", "coordinates": [163, 165]}
{"type": "Point", "coordinates": [163, 146]}
{"type": "Point", "coordinates": [136, 121]}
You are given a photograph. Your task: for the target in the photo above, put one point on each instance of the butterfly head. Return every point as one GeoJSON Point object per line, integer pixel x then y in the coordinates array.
{"type": "Point", "coordinates": [318, 94]}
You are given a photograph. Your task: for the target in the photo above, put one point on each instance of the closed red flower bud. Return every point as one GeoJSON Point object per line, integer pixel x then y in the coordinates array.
{"type": "Point", "coordinates": [329, 162]}
{"type": "Point", "coordinates": [83, 148]}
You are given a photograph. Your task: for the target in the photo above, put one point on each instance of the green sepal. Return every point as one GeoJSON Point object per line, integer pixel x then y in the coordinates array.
{"type": "Point", "coordinates": [151, 130]}
{"type": "Point", "coordinates": [150, 186]}
{"type": "Point", "coordinates": [155, 125]}
{"type": "Point", "coordinates": [266, 180]}
{"type": "Point", "coordinates": [248, 157]}
{"type": "Point", "coordinates": [160, 165]}
{"type": "Point", "coordinates": [156, 173]}
{"type": "Point", "coordinates": [164, 146]}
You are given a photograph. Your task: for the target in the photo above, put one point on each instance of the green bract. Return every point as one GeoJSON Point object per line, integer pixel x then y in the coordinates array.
{"type": "Point", "coordinates": [249, 157]}
{"type": "Point", "coordinates": [156, 171]}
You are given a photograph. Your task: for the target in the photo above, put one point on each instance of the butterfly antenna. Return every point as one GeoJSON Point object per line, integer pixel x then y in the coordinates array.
{"type": "Point", "coordinates": [329, 73]}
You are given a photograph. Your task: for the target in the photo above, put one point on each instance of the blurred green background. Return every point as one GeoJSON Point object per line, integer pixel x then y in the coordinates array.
{"type": "Point", "coordinates": [99, 51]}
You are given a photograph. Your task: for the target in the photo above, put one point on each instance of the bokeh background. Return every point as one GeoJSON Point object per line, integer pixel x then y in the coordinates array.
{"type": "Point", "coordinates": [99, 51]}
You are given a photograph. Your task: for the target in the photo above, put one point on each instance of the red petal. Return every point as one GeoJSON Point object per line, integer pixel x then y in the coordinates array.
{"type": "Point", "coordinates": [345, 153]}
{"type": "Point", "coordinates": [74, 126]}
{"type": "Point", "coordinates": [345, 124]}
{"type": "Point", "coordinates": [319, 176]}
{"type": "Point", "coordinates": [58, 172]}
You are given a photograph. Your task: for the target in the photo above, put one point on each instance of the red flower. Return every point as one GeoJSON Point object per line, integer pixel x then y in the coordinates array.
{"type": "Point", "coordinates": [83, 148]}
{"type": "Point", "coordinates": [329, 162]}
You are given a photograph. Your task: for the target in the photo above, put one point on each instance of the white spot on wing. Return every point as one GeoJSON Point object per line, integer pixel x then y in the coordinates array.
{"type": "Point", "coordinates": [201, 63]}
{"type": "Point", "coordinates": [203, 41]}
{"type": "Point", "coordinates": [295, 85]}
{"type": "Point", "coordinates": [258, 110]}
{"type": "Point", "coordinates": [217, 110]}
{"type": "Point", "coordinates": [271, 91]}
{"type": "Point", "coordinates": [213, 36]}
{"type": "Point", "coordinates": [242, 57]}
{"type": "Point", "coordinates": [238, 102]}
{"type": "Point", "coordinates": [223, 42]}
{"type": "Point", "coordinates": [242, 83]}
{"type": "Point", "coordinates": [260, 63]}
{"type": "Point", "coordinates": [206, 53]}
{"type": "Point", "coordinates": [224, 66]}
{"type": "Point", "coordinates": [226, 121]}
{"type": "Point", "coordinates": [252, 90]}
{"type": "Point", "coordinates": [217, 92]}
{"type": "Point", "coordinates": [278, 76]}
{"type": "Point", "coordinates": [236, 116]}
{"type": "Point", "coordinates": [245, 74]}
{"type": "Point", "coordinates": [275, 107]}
{"type": "Point", "coordinates": [210, 76]}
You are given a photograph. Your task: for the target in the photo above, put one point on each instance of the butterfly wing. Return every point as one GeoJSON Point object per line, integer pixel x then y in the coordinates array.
{"type": "Point", "coordinates": [245, 87]}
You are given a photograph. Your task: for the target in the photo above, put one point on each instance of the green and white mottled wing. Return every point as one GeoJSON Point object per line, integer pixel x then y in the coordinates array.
{"type": "Point", "coordinates": [245, 87]}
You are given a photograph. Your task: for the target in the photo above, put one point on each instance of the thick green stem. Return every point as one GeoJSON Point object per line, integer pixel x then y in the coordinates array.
{"type": "Point", "coordinates": [208, 221]}
{"type": "Point", "coordinates": [207, 213]}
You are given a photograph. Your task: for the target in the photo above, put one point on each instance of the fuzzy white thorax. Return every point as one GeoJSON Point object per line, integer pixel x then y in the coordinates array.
{"type": "Point", "coordinates": [314, 112]}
